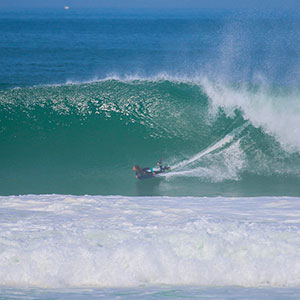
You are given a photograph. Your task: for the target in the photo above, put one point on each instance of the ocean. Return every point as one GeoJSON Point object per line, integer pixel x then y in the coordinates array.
{"type": "Point", "coordinates": [86, 94]}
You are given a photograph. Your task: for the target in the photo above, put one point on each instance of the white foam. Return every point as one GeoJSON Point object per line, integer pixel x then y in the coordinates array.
{"type": "Point", "coordinates": [217, 145]}
{"type": "Point", "coordinates": [222, 165]}
{"type": "Point", "coordinates": [277, 114]}
{"type": "Point", "coordinates": [133, 78]}
{"type": "Point", "coordinates": [68, 241]}
{"type": "Point", "coordinates": [225, 159]}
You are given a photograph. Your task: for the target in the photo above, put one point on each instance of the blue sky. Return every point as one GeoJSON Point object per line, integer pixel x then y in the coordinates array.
{"type": "Point", "coordinates": [217, 4]}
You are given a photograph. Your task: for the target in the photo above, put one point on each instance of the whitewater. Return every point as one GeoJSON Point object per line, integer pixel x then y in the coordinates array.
{"type": "Point", "coordinates": [148, 244]}
{"type": "Point", "coordinates": [114, 241]}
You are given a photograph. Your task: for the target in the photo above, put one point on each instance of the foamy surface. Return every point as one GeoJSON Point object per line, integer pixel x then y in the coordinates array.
{"type": "Point", "coordinates": [63, 241]}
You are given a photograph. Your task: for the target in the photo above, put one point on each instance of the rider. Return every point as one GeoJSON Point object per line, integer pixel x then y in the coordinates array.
{"type": "Point", "coordinates": [149, 171]}
{"type": "Point", "coordinates": [159, 164]}
{"type": "Point", "coordinates": [161, 168]}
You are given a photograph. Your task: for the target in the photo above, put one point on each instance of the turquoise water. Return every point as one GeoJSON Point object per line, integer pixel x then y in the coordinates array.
{"type": "Point", "coordinates": [233, 293]}
{"type": "Point", "coordinates": [84, 139]}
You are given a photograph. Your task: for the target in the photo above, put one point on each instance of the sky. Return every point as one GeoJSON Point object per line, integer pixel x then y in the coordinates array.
{"type": "Point", "coordinates": [210, 4]}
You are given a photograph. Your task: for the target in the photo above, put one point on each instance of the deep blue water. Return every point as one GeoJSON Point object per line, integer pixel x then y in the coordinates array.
{"type": "Point", "coordinates": [54, 46]}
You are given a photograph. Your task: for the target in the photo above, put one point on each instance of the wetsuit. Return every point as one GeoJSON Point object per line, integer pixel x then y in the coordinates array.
{"type": "Point", "coordinates": [144, 173]}
{"type": "Point", "coordinates": [149, 173]}
{"type": "Point", "coordinates": [162, 169]}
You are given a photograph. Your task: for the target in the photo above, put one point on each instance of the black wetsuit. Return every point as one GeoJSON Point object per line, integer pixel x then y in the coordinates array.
{"type": "Point", "coordinates": [144, 173]}
{"type": "Point", "coordinates": [149, 173]}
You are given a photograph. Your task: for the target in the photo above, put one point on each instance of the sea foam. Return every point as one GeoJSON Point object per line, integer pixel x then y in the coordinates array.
{"type": "Point", "coordinates": [277, 112]}
{"type": "Point", "coordinates": [52, 241]}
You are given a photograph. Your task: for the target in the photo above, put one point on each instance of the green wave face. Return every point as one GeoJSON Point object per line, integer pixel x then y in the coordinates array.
{"type": "Point", "coordinates": [84, 138]}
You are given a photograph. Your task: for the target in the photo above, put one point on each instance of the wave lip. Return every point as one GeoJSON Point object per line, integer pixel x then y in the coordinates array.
{"type": "Point", "coordinates": [114, 241]}
{"type": "Point", "coordinates": [275, 110]}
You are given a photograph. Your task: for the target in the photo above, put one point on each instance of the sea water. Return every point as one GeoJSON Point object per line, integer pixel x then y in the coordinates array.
{"type": "Point", "coordinates": [85, 94]}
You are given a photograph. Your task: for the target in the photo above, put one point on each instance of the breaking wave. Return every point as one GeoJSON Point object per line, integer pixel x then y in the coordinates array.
{"type": "Point", "coordinates": [84, 137]}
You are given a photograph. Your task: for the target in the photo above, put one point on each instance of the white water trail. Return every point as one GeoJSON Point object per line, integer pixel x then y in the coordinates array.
{"type": "Point", "coordinates": [219, 144]}
{"type": "Point", "coordinates": [219, 166]}
{"type": "Point", "coordinates": [276, 113]}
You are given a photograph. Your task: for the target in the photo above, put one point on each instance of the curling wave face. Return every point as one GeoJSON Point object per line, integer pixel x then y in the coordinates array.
{"type": "Point", "coordinates": [85, 137]}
